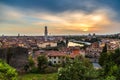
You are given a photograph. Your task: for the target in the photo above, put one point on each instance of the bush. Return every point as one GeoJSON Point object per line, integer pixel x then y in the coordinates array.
{"type": "Point", "coordinates": [110, 78]}
{"type": "Point", "coordinates": [78, 69]}
{"type": "Point", "coordinates": [7, 72]}
{"type": "Point", "coordinates": [57, 65]}
{"type": "Point", "coordinates": [50, 69]}
{"type": "Point", "coordinates": [34, 70]}
{"type": "Point", "coordinates": [42, 63]}
{"type": "Point", "coordinates": [31, 61]}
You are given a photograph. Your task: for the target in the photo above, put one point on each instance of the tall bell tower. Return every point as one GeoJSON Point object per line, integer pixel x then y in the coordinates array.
{"type": "Point", "coordinates": [46, 34]}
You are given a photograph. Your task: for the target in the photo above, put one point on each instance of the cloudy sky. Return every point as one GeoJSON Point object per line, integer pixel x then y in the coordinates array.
{"type": "Point", "coordinates": [28, 17]}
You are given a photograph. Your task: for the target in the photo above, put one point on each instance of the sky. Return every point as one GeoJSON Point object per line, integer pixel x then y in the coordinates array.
{"type": "Point", "coordinates": [69, 17]}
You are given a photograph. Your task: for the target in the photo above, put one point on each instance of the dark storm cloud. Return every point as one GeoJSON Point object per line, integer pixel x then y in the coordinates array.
{"type": "Point", "coordinates": [58, 6]}
{"type": "Point", "coordinates": [53, 5]}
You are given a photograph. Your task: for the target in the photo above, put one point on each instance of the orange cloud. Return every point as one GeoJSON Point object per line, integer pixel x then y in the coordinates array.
{"type": "Point", "coordinates": [75, 22]}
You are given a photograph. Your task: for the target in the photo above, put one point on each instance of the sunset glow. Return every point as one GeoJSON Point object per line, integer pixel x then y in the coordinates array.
{"type": "Point", "coordinates": [32, 19]}
{"type": "Point", "coordinates": [97, 18]}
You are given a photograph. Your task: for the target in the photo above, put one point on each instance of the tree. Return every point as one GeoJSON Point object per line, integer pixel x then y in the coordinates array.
{"type": "Point", "coordinates": [104, 49]}
{"type": "Point", "coordinates": [61, 43]}
{"type": "Point", "coordinates": [78, 69]}
{"type": "Point", "coordinates": [7, 72]}
{"type": "Point", "coordinates": [111, 64]}
{"type": "Point", "coordinates": [110, 78]}
{"type": "Point", "coordinates": [42, 63]}
{"type": "Point", "coordinates": [31, 65]}
{"type": "Point", "coordinates": [116, 56]}
{"type": "Point", "coordinates": [31, 62]}
{"type": "Point", "coordinates": [103, 56]}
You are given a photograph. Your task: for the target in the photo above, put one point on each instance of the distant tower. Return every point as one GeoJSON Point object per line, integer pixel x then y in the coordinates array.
{"type": "Point", "coordinates": [94, 35]}
{"type": "Point", "coordinates": [46, 33]}
{"type": "Point", "coordinates": [89, 36]}
{"type": "Point", "coordinates": [2, 35]}
{"type": "Point", "coordinates": [18, 35]}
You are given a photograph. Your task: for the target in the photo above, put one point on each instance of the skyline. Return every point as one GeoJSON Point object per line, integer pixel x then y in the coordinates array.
{"type": "Point", "coordinates": [69, 17]}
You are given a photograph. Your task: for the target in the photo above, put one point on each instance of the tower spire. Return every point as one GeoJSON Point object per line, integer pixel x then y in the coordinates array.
{"type": "Point", "coordinates": [46, 33]}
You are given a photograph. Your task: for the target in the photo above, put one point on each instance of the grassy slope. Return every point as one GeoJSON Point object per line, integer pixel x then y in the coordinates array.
{"type": "Point", "coordinates": [38, 77]}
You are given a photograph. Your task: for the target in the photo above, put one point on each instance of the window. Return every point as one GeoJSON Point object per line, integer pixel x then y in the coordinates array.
{"type": "Point", "coordinates": [54, 57]}
{"type": "Point", "coordinates": [58, 57]}
{"type": "Point", "coordinates": [54, 61]}
{"type": "Point", "coordinates": [50, 57]}
{"type": "Point", "coordinates": [58, 61]}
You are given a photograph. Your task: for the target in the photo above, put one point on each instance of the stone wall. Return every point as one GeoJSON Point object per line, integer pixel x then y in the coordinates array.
{"type": "Point", "coordinates": [17, 57]}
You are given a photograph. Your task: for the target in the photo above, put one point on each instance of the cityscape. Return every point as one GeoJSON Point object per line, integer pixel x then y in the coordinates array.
{"type": "Point", "coordinates": [59, 40]}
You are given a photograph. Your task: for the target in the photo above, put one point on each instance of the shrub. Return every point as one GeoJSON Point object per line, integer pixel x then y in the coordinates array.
{"type": "Point", "coordinates": [34, 70]}
{"type": "Point", "coordinates": [7, 72]}
{"type": "Point", "coordinates": [50, 69]}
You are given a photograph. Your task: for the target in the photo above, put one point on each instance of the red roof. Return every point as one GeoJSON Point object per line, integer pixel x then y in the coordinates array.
{"type": "Point", "coordinates": [56, 53]}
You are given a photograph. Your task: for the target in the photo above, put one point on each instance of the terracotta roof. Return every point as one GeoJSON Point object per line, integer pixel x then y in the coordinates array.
{"type": "Point", "coordinates": [56, 53]}
{"type": "Point", "coordinates": [72, 55]}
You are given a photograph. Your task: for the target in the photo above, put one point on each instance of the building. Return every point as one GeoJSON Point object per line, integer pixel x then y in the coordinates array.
{"type": "Point", "coordinates": [94, 50]}
{"type": "Point", "coordinates": [46, 44]}
{"type": "Point", "coordinates": [76, 52]}
{"type": "Point", "coordinates": [111, 47]}
{"type": "Point", "coordinates": [46, 34]}
{"type": "Point", "coordinates": [94, 35]}
{"type": "Point", "coordinates": [56, 57]}
{"type": "Point", "coordinates": [95, 45]}
{"type": "Point", "coordinates": [89, 36]}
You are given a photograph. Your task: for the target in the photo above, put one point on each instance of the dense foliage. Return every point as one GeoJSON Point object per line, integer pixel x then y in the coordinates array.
{"type": "Point", "coordinates": [78, 69]}
{"type": "Point", "coordinates": [7, 72]}
{"type": "Point", "coordinates": [110, 61]}
{"type": "Point", "coordinates": [42, 63]}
